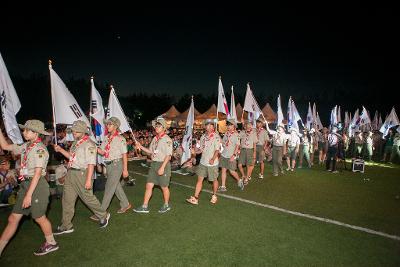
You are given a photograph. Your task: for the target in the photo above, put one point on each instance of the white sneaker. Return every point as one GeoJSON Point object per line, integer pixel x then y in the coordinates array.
{"type": "Point", "coordinates": [260, 176]}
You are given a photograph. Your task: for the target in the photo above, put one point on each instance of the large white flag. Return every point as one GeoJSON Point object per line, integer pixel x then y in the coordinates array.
{"type": "Point", "coordinates": [391, 121]}
{"type": "Point", "coordinates": [380, 123]}
{"type": "Point", "coordinates": [364, 118]}
{"type": "Point", "coordinates": [187, 138]}
{"type": "Point", "coordinates": [339, 115]}
{"type": "Point", "coordinates": [346, 119]}
{"type": "Point", "coordinates": [66, 109]}
{"type": "Point", "coordinates": [319, 123]}
{"type": "Point", "coordinates": [222, 105]}
{"type": "Point", "coordinates": [309, 121]}
{"type": "Point", "coordinates": [232, 113]}
{"type": "Point", "coordinates": [293, 115]}
{"type": "Point", "coordinates": [353, 123]}
{"type": "Point", "coordinates": [115, 110]}
{"type": "Point", "coordinates": [251, 105]}
{"type": "Point", "coordinates": [375, 121]}
{"type": "Point", "coordinates": [279, 111]}
{"type": "Point", "coordinates": [334, 119]}
{"type": "Point", "coordinates": [97, 113]}
{"type": "Point", "coordinates": [10, 104]}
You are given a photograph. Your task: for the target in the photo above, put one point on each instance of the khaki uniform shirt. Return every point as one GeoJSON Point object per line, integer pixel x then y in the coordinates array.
{"type": "Point", "coordinates": [118, 147]}
{"type": "Point", "coordinates": [358, 139]}
{"type": "Point", "coordinates": [278, 139]}
{"type": "Point", "coordinates": [85, 154]}
{"type": "Point", "coordinates": [293, 140]}
{"type": "Point", "coordinates": [208, 146]}
{"type": "Point", "coordinates": [160, 148]}
{"type": "Point", "coordinates": [37, 157]}
{"type": "Point", "coordinates": [262, 137]}
{"type": "Point", "coordinates": [229, 143]}
{"type": "Point", "coordinates": [247, 140]}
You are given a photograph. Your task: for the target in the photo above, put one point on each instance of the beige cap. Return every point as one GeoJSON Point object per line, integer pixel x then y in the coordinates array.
{"type": "Point", "coordinates": [35, 126]}
{"type": "Point", "coordinates": [232, 121]}
{"type": "Point", "coordinates": [159, 120]}
{"type": "Point", "coordinates": [79, 126]}
{"type": "Point", "coordinates": [113, 120]}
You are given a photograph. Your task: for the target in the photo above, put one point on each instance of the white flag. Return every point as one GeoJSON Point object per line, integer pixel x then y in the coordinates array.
{"type": "Point", "coordinates": [97, 113]}
{"type": "Point", "coordinates": [391, 121]}
{"type": "Point", "coordinates": [339, 115]}
{"type": "Point", "coordinates": [380, 123]}
{"type": "Point", "coordinates": [364, 118]}
{"type": "Point", "coordinates": [222, 105]}
{"type": "Point", "coordinates": [353, 123]}
{"type": "Point", "coordinates": [319, 123]}
{"type": "Point", "coordinates": [115, 110]}
{"type": "Point", "coordinates": [293, 115]}
{"type": "Point", "coordinates": [232, 113]}
{"type": "Point", "coordinates": [187, 138]}
{"type": "Point", "coordinates": [10, 104]}
{"type": "Point", "coordinates": [296, 115]}
{"type": "Point", "coordinates": [346, 119]}
{"type": "Point", "coordinates": [251, 105]}
{"type": "Point", "coordinates": [309, 121]}
{"type": "Point", "coordinates": [279, 111]}
{"type": "Point", "coordinates": [375, 121]}
{"type": "Point", "coordinates": [334, 119]}
{"type": "Point", "coordinates": [66, 109]}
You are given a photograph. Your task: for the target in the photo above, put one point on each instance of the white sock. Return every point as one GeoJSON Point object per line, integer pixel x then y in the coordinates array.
{"type": "Point", "coordinates": [50, 239]}
{"type": "Point", "coordinates": [3, 244]}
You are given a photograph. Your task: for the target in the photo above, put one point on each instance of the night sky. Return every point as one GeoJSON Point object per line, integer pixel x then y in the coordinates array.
{"type": "Point", "coordinates": [177, 49]}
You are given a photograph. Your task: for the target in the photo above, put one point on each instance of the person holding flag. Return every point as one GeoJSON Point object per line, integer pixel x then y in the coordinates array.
{"type": "Point", "coordinates": [78, 182]}
{"type": "Point", "coordinates": [160, 151]}
{"type": "Point", "coordinates": [210, 143]}
{"type": "Point", "coordinates": [248, 146]}
{"type": "Point", "coordinates": [33, 195]}
{"type": "Point", "coordinates": [230, 150]}
{"type": "Point", "coordinates": [279, 140]}
{"type": "Point", "coordinates": [114, 150]}
{"type": "Point", "coordinates": [261, 146]}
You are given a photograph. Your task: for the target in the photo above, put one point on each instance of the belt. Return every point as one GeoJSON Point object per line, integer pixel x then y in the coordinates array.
{"type": "Point", "coordinates": [77, 170]}
{"type": "Point", "coordinates": [108, 162]}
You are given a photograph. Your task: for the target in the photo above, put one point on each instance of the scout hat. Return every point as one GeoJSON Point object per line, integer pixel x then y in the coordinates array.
{"type": "Point", "coordinates": [260, 120]}
{"type": "Point", "coordinates": [231, 121]}
{"type": "Point", "coordinates": [35, 126]}
{"type": "Point", "coordinates": [79, 126]}
{"type": "Point", "coordinates": [161, 121]}
{"type": "Point", "coordinates": [114, 121]}
{"type": "Point", "coordinates": [208, 121]}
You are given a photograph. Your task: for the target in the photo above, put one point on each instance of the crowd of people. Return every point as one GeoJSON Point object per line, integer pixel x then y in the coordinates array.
{"type": "Point", "coordinates": [71, 160]}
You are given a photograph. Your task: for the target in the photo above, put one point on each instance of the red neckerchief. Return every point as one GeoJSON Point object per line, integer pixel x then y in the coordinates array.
{"type": "Point", "coordinates": [228, 137]}
{"type": "Point", "coordinates": [73, 154]}
{"type": "Point", "coordinates": [246, 140]}
{"type": "Point", "coordinates": [208, 137]}
{"type": "Point", "coordinates": [158, 138]}
{"type": "Point", "coordinates": [25, 158]}
{"type": "Point", "coordinates": [108, 145]}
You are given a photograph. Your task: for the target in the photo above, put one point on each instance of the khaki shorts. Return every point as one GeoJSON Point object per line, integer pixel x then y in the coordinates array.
{"type": "Point", "coordinates": [211, 172]}
{"type": "Point", "coordinates": [292, 152]}
{"type": "Point", "coordinates": [40, 199]}
{"type": "Point", "coordinates": [227, 164]}
{"type": "Point", "coordinates": [156, 179]}
{"type": "Point", "coordinates": [260, 153]}
{"type": "Point", "coordinates": [246, 156]}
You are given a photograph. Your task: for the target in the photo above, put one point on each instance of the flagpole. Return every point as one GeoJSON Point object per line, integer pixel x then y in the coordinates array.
{"type": "Point", "coordinates": [52, 104]}
{"type": "Point", "coordinates": [90, 105]}
{"type": "Point", "coordinates": [216, 125]}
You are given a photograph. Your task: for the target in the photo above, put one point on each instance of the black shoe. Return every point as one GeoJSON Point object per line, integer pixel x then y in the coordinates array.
{"type": "Point", "coordinates": [46, 248]}
{"type": "Point", "coordinates": [104, 222]}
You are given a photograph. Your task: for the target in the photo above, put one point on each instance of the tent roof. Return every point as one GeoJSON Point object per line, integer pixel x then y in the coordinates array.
{"type": "Point", "coordinates": [211, 113]}
{"type": "Point", "coordinates": [183, 115]}
{"type": "Point", "coordinates": [171, 113]}
{"type": "Point", "coordinates": [269, 114]}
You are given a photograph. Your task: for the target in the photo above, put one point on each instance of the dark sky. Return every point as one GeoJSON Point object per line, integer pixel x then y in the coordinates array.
{"type": "Point", "coordinates": [177, 49]}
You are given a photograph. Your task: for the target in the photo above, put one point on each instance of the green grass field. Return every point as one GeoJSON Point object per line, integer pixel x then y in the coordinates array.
{"type": "Point", "coordinates": [234, 233]}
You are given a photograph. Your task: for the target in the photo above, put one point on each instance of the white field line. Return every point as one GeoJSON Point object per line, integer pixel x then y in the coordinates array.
{"type": "Point", "coordinates": [305, 215]}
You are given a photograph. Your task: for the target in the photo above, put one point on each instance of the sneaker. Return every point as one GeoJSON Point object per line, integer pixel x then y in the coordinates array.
{"type": "Point", "coordinates": [292, 170]}
{"type": "Point", "coordinates": [287, 169]}
{"type": "Point", "coordinates": [245, 182]}
{"type": "Point", "coordinates": [60, 230]}
{"type": "Point", "coordinates": [94, 218]}
{"type": "Point", "coordinates": [222, 189]}
{"type": "Point", "coordinates": [104, 222]}
{"type": "Point", "coordinates": [123, 210]}
{"type": "Point", "coordinates": [213, 199]}
{"type": "Point", "coordinates": [335, 172]}
{"type": "Point", "coordinates": [142, 209]}
{"type": "Point", "coordinates": [192, 200]}
{"type": "Point", "coordinates": [249, 178]}
{"type": "Point", "coordinates": [46, 248]}
{"type": "Point", "coordinates": [275, 174]}
{"type": "Point", "coordinates": [241, 184]}
{"type": "Point", "coordinates": [282, 172]}
{"type": "Point", "coordinates": [260, 176]}
{"type": "Point", "coordinates": [300, 167]}
{"type": "Point", "coordinates": [164, 208]}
